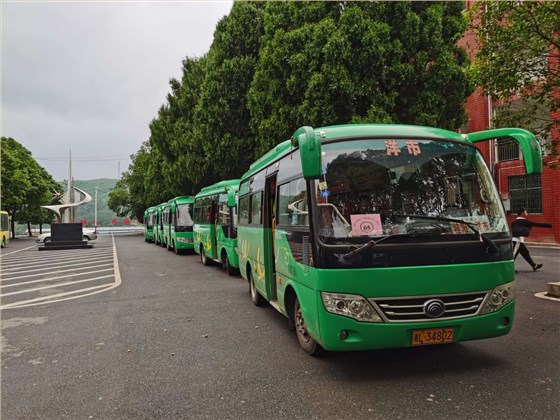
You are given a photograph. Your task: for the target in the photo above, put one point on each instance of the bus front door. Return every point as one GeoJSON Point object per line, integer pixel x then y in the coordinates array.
{"type": "Point", "coordinates": [269, 210]}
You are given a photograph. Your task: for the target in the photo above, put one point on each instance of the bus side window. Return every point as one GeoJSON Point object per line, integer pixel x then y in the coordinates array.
{"type": "Point", "coordinates": [284, 214]}
{"type": "Point", "coordinates": [292, 203]}
{"type": "Point", "coordinates": [298, 195]}
{"type": "Point", "coordinates": [244, 210]}
{"type": "Point", "coordinates": [256, 209]}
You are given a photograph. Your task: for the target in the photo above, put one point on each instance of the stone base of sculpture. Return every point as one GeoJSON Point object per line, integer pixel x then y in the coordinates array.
{"type": "Point", "coordinates": [65, 236]}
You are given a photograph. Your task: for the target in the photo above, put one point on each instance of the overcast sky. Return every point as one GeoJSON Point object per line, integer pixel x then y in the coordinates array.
{"type": "Point", "coordinates": [90, 76]}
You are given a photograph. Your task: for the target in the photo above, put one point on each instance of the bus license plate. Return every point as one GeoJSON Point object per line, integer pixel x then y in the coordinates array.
{"type": "Point", "coordinates": [432, 336]}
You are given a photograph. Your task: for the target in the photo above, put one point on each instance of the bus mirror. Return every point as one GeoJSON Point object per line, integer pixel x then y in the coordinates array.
{"type": "Point", "coordinates": [529, 145]}
{"type": "Point", "coordinates": [310, 151]}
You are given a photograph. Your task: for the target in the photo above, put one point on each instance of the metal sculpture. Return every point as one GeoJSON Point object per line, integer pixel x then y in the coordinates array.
{"type": "Point", "coordinates": [65, 211]}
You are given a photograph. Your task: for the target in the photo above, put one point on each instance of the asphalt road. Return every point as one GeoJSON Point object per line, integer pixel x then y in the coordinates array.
{"type": "Point", "coordinates": [178, 340]}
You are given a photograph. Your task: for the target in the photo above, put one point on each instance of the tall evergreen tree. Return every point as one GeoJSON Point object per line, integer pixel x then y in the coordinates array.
{"type": "Point", "coordinates": [332, 63]}
{"type": "Point", "coordinates": [223, 135]}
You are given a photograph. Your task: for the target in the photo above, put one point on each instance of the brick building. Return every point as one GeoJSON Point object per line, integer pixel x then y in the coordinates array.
{"type": "Point", "coordinates": [539, 193]}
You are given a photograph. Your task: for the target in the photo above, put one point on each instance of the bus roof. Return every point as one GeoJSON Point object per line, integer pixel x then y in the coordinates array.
{"type": "Point", "coordinates": [352, 131]}
{"type": "Point", "coordinates": [182, 199]}
{"type": "Point", "coordinates": [219, 188]}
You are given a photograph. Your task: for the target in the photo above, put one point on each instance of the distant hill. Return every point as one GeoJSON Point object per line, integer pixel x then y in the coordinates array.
{"type": "Point", "coordinates": [105, 216]}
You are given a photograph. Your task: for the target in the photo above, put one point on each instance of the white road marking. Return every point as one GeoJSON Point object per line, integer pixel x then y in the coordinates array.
{"type": "Point", "coordinates": [52, 286]}
{"type": "Point", "coordinates": [73, 294]}
{"type": "Point", "coordinates": [16, 251]}
{"type": "Point", "coordinates": [62, 259]}
{"type": "Point", "coordinates": [52, 278]}
{"type": "Point", "coordinates": [55, 266]}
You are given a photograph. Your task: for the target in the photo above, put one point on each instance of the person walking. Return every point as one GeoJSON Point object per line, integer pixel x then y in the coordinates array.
{"type": "Point", "coordinates": [520, 229]}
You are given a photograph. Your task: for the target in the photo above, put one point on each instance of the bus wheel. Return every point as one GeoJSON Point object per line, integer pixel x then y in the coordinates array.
{"type": "Point", "coordinates": [175, 248]}
{"type": "Point", "coordinates": [307, 343]}
{"type": "Point", "coordinates": [256, 298]}
{"type": "Point", "coordinates": [226, 265]}
{"type": "Point", "coordinates": [4, 242]}
{"type": "Point", "coordinates": [205, 260]}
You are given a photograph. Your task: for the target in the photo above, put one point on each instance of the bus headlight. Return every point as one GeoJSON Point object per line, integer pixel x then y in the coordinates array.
{"type": "Point", "coordinates": [500, 296]}
{"type": "Point", "coordinates": [351, 306]}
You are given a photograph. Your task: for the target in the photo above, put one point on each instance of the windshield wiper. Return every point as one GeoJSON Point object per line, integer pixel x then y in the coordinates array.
{"type": "Point", "coordinates": [481, 236]}
{"type": "Point", "coordinates": [364, 247]}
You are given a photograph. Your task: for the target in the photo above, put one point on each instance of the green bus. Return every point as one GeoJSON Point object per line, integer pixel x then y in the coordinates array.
{"type": "Point", "coordinates": [380, 236]}
{"type": "Point", "coordinates": [158, 227]}
{"type": "Point", "coordinates": [165, 224]}
{"type": "Point", "coordinates": [180, 231]}
{"type": "Point", "coordinates": [149, 222]}
{"type": "Point", "coordinates": [215, 229]}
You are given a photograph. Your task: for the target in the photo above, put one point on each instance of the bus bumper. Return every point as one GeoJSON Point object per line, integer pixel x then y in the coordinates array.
{"type": "Point", "coordinates": [339, 333]}
{"type": "Point", "coordinates": [184, 243]}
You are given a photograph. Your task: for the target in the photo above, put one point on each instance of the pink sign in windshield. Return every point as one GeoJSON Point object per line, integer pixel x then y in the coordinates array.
{"type": "Point", "coordinates": [366, 224]}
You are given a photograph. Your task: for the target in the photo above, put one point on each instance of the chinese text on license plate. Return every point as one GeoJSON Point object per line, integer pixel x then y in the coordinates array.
{"type": "Point", "coordinates": [432, 336]}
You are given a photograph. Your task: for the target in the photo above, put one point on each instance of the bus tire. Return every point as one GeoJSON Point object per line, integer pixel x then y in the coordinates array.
{"type": "Point", "coordinates": [203, 258]}
{"type": "Point", "coordinates": [3, 242]}
{"type": "Point", "coordinates": [256, 297]}
{"type": "Point", "coordinates": [307, 343]}
{"type": "Point", "coordinates": [226, 264]}
{"type": "Point", "coordinates": [177, 251]}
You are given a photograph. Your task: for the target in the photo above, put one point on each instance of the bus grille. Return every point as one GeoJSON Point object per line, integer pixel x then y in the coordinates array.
{"type": "Point", "coordinates": [411, 309]}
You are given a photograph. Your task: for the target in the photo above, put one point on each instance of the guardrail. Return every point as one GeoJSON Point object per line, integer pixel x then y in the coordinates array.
{"type": "Point", "coordinates": [119, 230]}
{"type": "Point", "coordinates": [102, 230]}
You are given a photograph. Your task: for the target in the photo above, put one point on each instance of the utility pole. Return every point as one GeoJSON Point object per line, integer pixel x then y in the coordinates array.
{"type": "Point", "coordinates": [95, 211]}
{"type": "Point", "coordinates": [68, 216]}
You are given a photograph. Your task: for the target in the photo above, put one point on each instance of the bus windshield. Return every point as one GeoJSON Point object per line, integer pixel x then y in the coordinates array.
{"type": "Point", "coordinates": [184, 215]}
{"type": "Point", "coordinates": [387, 187]}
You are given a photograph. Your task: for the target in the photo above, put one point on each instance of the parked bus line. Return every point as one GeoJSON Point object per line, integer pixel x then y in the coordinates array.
{"type": "Point", "coordinates": [366, 236]}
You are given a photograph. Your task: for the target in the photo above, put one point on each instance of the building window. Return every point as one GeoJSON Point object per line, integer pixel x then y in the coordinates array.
{"type": "Point", "coordinates": [508, 149]}
{"type": "Point", "coordinates": [525, 191]}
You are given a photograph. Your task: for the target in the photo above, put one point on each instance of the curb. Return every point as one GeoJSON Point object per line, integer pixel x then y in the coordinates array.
{"type": "Point", "coordinates": [545, 295]}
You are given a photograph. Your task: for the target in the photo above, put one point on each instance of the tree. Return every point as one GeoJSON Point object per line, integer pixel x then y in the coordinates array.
{"type": "Point", "coordinates": [172, 154]}
{"type": "Point", "coordinates": [518, 62]}
{"type": "Point", "coordinates": [324, 63]}
{"type": "Point", "coordinates": [25, 185]}
{"type": "Point", "coordinates": [131, 194]}
{"type": "Point", "coordinates": [222, 132]}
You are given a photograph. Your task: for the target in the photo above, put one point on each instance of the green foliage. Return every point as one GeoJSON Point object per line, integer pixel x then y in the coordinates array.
{"type": "Point", "coordinates": [25, 185]}
{"type": "Point", "coordinates": [519, 42]}
{"type": "Point", "coordinates": [222, 119]}
{"type": "Point", "coordinates": [276, 66]}
{"type": "Point", "coordinates": [331, 63]}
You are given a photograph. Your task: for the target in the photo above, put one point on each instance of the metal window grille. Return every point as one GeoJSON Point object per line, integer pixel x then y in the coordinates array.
{"type": "Point", "coordinates": [525, 191]}
{"type": "Point", "coordinates": [508, 149]}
